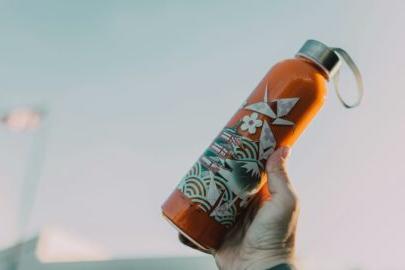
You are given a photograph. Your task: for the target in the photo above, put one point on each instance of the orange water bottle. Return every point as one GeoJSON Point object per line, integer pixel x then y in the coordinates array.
{"type": "Point", "coordinates": [215, 191]}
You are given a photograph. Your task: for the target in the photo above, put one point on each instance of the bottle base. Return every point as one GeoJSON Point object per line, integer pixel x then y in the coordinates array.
{"type": "Point", "coordinates": [193, 222]}
{"type": "Point", "coordinates": [187, 236]}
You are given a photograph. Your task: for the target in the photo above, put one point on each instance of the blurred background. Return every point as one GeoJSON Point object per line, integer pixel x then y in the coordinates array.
{"type": "Point", "coordinates": [105, 105]}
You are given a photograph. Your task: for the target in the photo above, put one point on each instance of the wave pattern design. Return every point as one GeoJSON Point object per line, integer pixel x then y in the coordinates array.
{"type": "Point", "coordinates": [213, 182]}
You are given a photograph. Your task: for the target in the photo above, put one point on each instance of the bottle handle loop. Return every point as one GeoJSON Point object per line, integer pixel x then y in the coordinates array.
{"type": "Point", "coordinates": [357, 76]}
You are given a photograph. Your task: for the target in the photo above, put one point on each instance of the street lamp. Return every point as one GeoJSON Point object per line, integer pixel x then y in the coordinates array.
{"type": "Point", "coordinates": [26, 119]}
{"type": "Point", "coordinates": [22, 119]}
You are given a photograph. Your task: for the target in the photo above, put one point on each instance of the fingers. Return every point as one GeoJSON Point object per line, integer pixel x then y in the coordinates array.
{"type": "Point", "coordinates": [235, 236]}
{"type": "Point", "coordinates": [279, 185]}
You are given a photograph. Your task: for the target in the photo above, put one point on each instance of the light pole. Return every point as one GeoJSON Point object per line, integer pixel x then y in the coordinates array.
{"type": "Point", "coordinates": [27, 119]}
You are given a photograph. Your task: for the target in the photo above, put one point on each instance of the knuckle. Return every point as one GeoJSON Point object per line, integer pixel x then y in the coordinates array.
{"type": "Point", "coordinates": [291, 201]}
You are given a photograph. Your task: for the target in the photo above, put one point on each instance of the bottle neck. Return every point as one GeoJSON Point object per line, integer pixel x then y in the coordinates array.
{"type": "Point", "coordinates": [315, 65]}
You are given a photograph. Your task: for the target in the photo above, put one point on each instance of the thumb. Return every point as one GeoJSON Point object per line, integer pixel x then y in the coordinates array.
{"type": "Point", "coordinates": [279, 185]}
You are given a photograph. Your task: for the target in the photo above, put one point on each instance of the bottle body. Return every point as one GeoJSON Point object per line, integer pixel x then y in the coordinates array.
{"type": "Point", "coordinates": [214, 193]}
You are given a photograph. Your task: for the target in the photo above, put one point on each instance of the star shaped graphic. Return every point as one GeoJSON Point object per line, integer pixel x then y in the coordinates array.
{"type": "Point", "coordinates": [284, 106]}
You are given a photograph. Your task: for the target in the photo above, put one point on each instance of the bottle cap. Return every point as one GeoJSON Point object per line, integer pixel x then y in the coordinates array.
{"type": "Point", "coordinates": [321, 55]}
{"type": "Point", "coordinates": [329, 60]}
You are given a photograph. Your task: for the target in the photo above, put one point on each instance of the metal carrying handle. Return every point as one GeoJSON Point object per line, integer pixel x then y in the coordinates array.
{"type": "Point", "coordinates": [357, 75]}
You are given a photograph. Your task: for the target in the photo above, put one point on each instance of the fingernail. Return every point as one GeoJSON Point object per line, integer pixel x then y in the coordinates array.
{"type": "Point", "coordinates": [286, 152]}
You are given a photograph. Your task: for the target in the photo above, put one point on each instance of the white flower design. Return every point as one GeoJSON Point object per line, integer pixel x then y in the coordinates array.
{"type": "Point", "coordinates": [250, 123]}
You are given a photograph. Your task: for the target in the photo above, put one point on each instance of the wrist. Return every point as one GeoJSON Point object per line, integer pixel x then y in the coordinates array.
{"type": "Point", "coordinates": [283, 267]}
{"type": "Point", "coordinates": [273, 264]}
{"type": "Point", "coordinates": [257, 260]}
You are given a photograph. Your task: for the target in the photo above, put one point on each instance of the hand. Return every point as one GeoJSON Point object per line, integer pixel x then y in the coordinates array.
{"type": "Point", "coordinates": [265, 236]}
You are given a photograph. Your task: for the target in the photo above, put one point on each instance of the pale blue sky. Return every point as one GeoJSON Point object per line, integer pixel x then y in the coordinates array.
{"type": "Point", "coordinates": [136, 90]}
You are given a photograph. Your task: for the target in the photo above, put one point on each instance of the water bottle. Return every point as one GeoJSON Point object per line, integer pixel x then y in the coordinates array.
{"type": "Point", "coordinates": [213, 194]}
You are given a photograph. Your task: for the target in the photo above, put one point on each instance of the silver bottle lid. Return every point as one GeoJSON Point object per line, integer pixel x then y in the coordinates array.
{"type": "Point", "coordinates": [329, 60]}
{"type": "Point", "coordinates": [321, 55]}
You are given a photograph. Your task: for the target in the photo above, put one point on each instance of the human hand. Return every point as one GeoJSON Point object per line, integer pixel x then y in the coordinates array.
{"type": "Point", "coordinates": [266, 236]}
